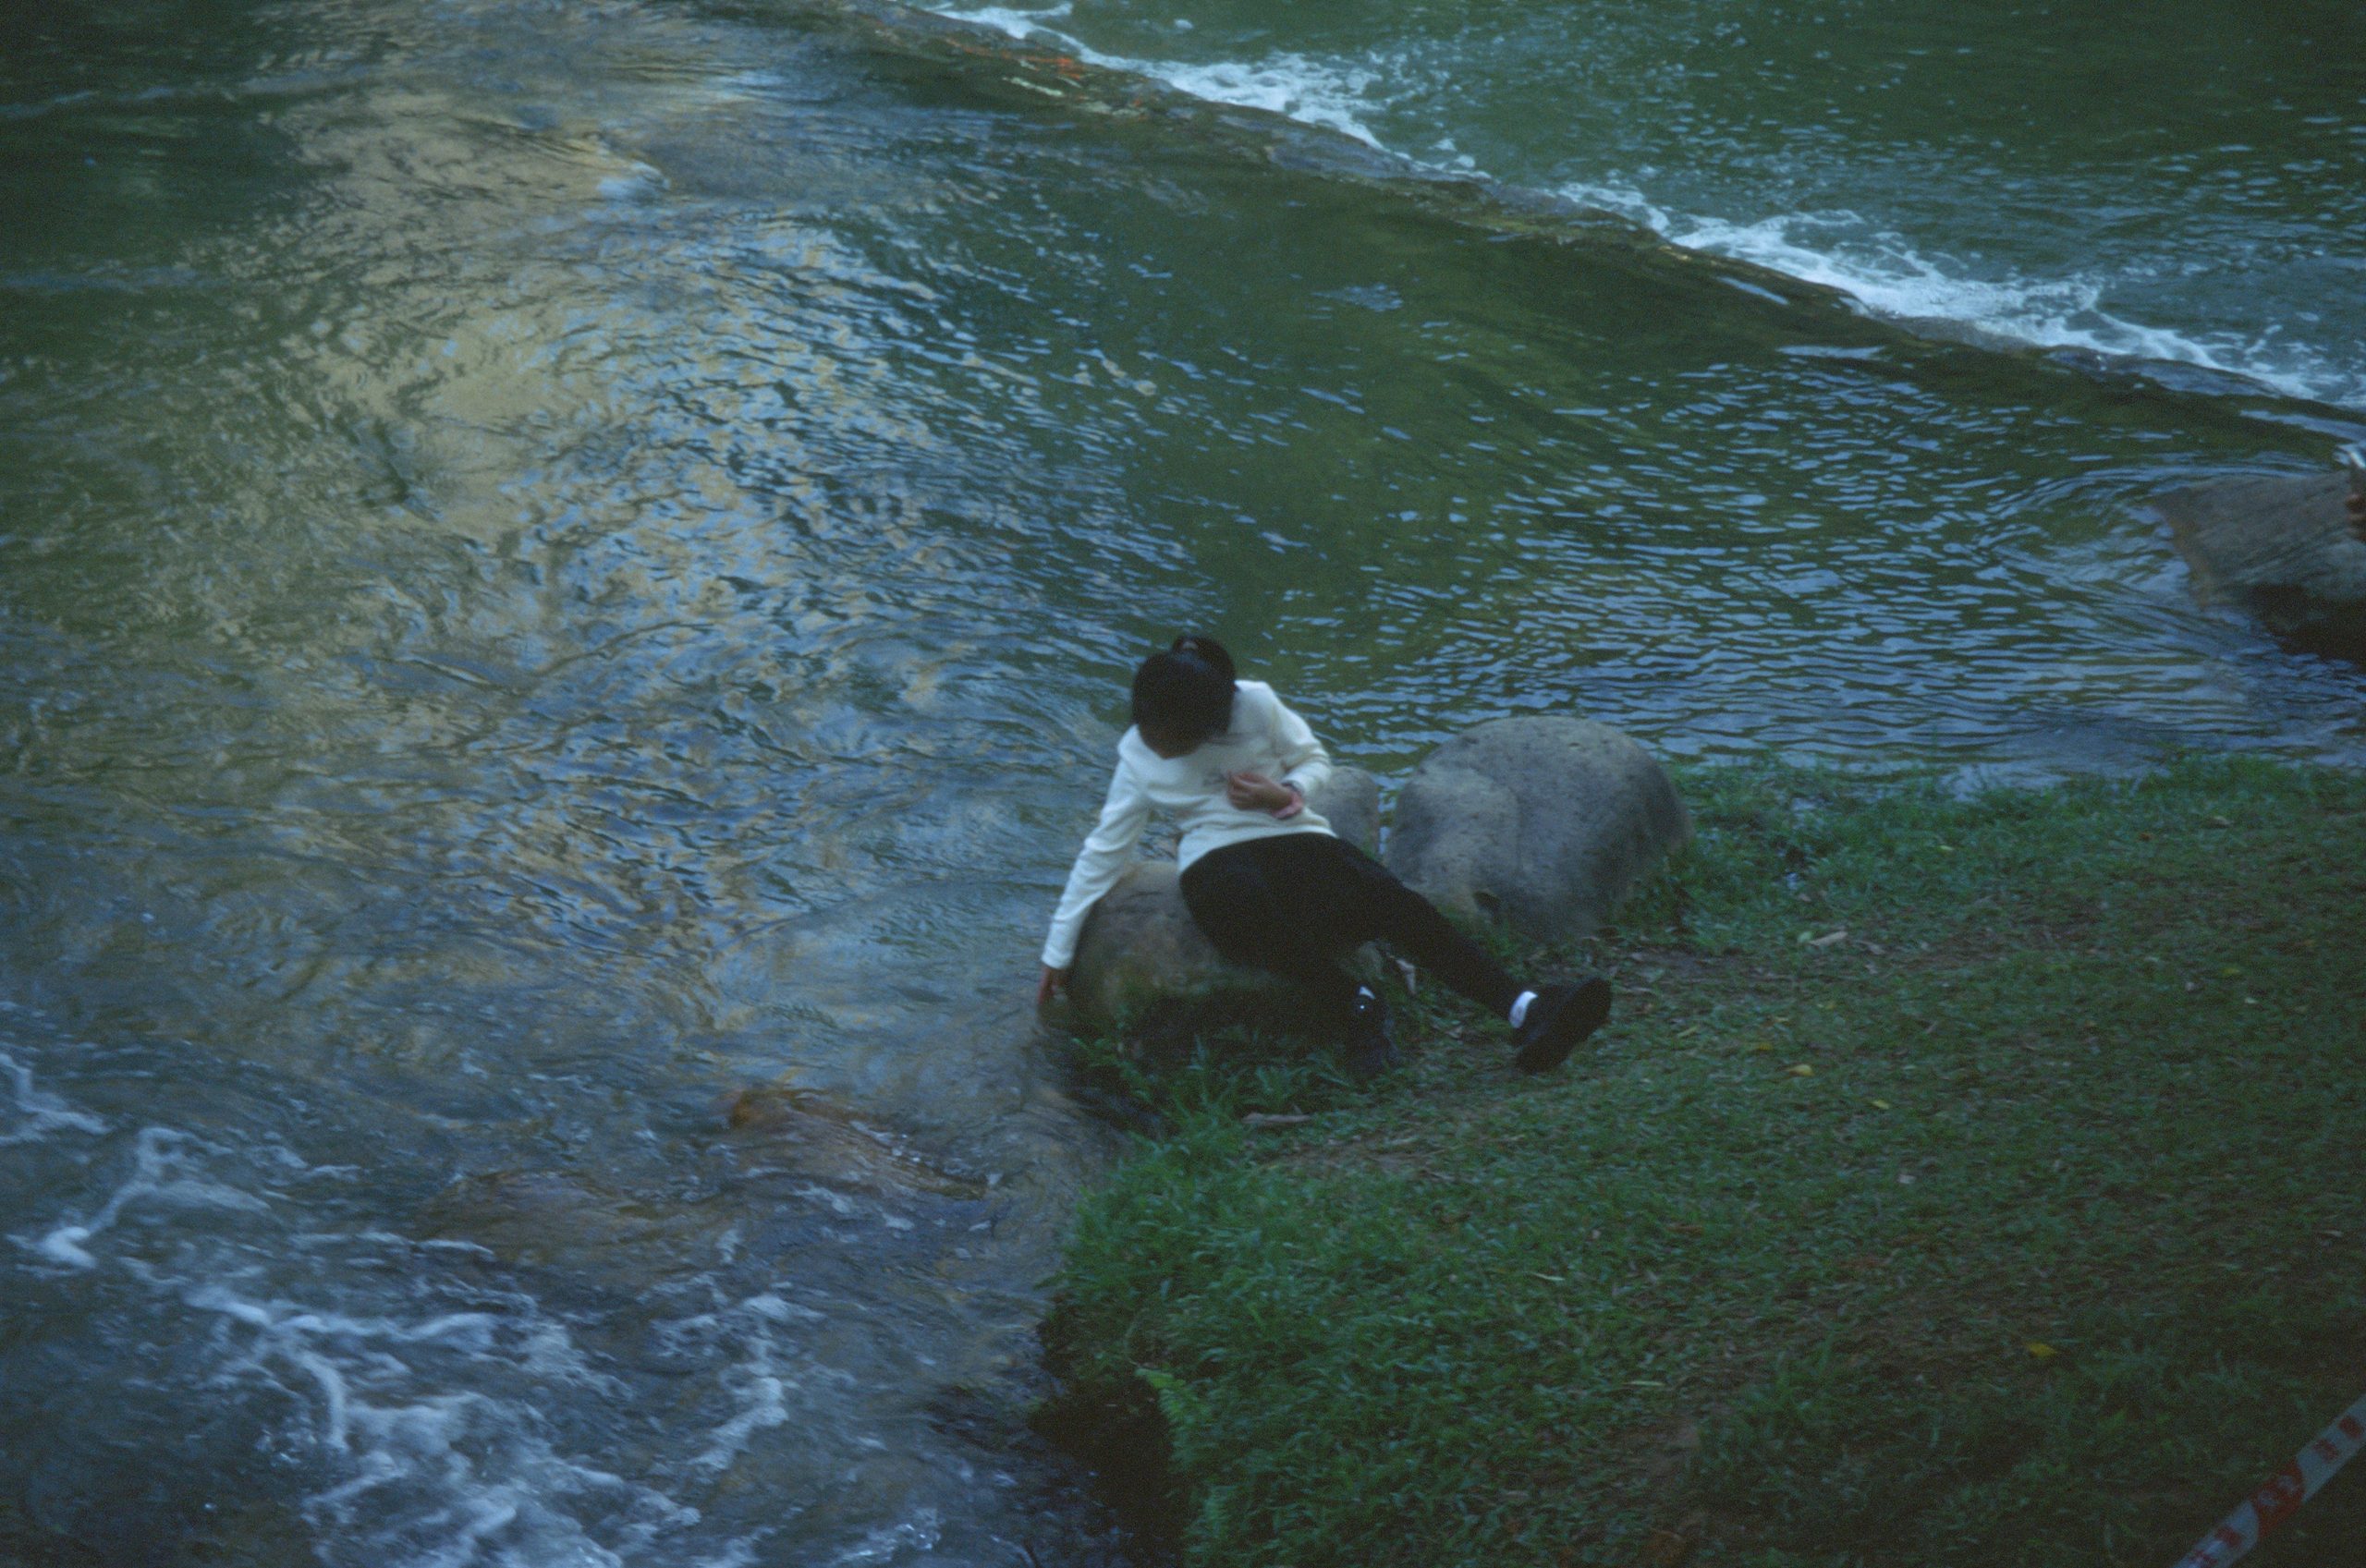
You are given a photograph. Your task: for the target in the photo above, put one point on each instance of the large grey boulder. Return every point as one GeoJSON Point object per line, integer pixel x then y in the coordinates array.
{"type": "Point", "coordinates": [1543, 823]}
{"type": "Point", "coordinates": [1349, 801]}
{"type": "Point", "coordinates": [1142, 961]}
{"type": "Point", "coordinates": [2282, 547]}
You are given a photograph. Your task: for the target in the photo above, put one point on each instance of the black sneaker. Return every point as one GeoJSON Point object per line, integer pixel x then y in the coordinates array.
{"type": "Point", "coordinates": [1368, 1051]}
{"type": "Point", "coordinates": [1556, 1021]}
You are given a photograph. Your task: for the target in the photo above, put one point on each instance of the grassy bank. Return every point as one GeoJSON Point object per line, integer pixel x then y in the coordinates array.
{"type": "Point", "coordinates": [1961, 1181]}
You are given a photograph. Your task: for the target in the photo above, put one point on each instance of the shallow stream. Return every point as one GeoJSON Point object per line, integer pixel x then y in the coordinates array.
{"type": "Point", "coordinates": [567, 573]}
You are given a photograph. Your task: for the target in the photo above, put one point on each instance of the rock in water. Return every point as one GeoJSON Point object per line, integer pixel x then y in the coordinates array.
{"type": "Point", "coordinates": [2281, 546]}
{"type": "Point", "coordinates": [1140, 957]}
{"type": "Point", "coordinates": [1544, 823]}
{"type": "Point", "coordinates": [814, 1138]}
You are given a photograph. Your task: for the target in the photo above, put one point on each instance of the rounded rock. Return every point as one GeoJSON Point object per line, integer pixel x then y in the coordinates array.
{"type": "Point", "coordinates": [2283, 547]}
{"type": "Point", "coordinates": [1543, 823]}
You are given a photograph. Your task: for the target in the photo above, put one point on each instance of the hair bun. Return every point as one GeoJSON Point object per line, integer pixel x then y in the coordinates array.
{"type": "Point", "coordinates": [1208, 650]}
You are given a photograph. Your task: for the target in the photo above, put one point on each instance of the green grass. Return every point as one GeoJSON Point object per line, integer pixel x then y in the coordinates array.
{"type": "Point", "coordinates": [2017, 1225]}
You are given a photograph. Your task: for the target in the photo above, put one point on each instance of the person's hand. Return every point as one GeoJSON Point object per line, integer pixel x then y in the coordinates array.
{"type": "Point", "coordinates": [1054, 982]}
{"type": "Point", "coordinates": [1255, 792]}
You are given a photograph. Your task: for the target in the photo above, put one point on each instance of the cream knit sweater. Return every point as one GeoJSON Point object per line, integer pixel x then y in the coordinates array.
{"type": "Point", "coordinates": [1264, 737]}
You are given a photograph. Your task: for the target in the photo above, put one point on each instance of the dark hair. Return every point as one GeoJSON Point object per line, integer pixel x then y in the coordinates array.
{"type": "Point", "coordinates": [1186, 692]}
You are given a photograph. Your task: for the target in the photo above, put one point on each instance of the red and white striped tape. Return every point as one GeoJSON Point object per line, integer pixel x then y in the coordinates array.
{"type": "Point", "coordinates": [2284, 1493]}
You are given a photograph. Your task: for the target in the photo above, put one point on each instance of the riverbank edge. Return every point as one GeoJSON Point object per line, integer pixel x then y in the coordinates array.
{"type": "Point", "coordinates": [1961, 1179]}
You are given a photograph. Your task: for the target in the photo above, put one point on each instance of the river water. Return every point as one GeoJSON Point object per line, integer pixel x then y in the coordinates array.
{"type": "Point", "coordinates": [567, 573]}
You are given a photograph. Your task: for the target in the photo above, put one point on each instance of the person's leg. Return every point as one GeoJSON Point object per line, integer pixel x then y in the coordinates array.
{"type": "Point", "coordinates": [1253, 907]}
{"type": "Point", "coordinates": [1261, 903]}
{"type": "Point", "coordinates": [1547, 1022]}
{"type": "Point", "coordinates": [1387, 910]}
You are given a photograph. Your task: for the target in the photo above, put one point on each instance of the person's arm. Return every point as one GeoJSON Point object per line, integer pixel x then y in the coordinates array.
{"type": "Point", "coordinates": [1105, 854]}
{"type": "Point", "coordinates": [1304, 763]}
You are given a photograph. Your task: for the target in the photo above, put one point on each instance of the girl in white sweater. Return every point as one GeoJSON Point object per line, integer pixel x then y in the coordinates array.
{"type": "Point", "coordinates": [1266, 877]}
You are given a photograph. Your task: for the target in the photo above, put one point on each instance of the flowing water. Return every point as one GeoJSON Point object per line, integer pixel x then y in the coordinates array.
{"type": "Point", "coordinates": [567, 573]}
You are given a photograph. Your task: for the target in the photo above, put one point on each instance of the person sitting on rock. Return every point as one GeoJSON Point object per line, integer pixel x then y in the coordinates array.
{"type": "Point", "coordinates": [1267, 879]}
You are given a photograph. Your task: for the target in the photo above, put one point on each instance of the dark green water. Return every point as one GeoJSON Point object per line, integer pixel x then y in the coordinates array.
{"type": "Point", "coordinates": [2059, 173]}
{"type": "Point", "coordinates": [562, 564]}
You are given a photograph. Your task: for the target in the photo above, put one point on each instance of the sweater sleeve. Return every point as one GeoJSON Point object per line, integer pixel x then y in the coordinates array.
{"type": "Point", "coordinates": [1304, 763]}
{"type": "Point", "coordinates": [1105, 854]}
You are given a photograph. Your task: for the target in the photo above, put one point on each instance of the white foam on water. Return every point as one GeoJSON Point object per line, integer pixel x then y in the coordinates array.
{"type": "Point", "coordinates": [918, 1534]}
{"type": "Point", "coordinates": [1883, 271]}
{"type": "Point", "coordinates": [769, 1305]}
{"type": "Point", "coordinates": [636, 181]}
{"type": "Point", "coordinates": [426, 1418]}
{"type": "Point", "coordinates": [436, 1476]}
{"type": "Point", "coordinates": [1317, 92]}
{"type": "Point", "coordinates": [762, 1394]}
{"type": "Point", "coordinates": [1879, 269]}
{"type": "Point", "coordinates": [756, 1384]}
{"type": "Point", "coordinates": [41, 1113]}
{"type": "Point", "coordinates": [160, 1174]}
{"type": "Point", "coordinates": [1295, 85]}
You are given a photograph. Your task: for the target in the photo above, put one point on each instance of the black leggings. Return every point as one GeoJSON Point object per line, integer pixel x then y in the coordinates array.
{"type": "Point", "coordinates": [1297, 903]}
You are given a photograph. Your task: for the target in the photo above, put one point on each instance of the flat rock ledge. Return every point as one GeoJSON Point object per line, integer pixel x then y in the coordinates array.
{"type": "Point", "coordinates": [1141, 964]}
{"type": "Point", "coordinates": [2281, 547]}
{"type": "Point", "coordinates": [1542, 823]}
